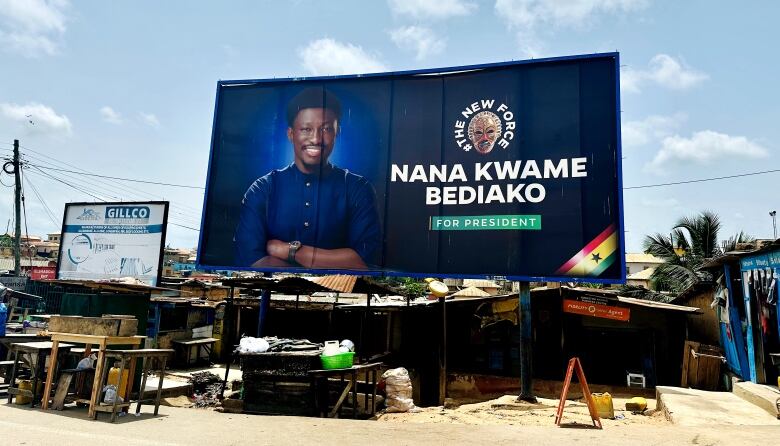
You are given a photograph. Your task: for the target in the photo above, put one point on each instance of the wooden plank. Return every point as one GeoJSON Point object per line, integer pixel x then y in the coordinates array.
{"type": "Point", "coordinates": [97, 340]}
{"type": "Point", "coordinates": [58, 402]}
{"type": "Point", "coordinates": [55, 345]}
{"type": "Point", "coordinates": [100, 370]}
{"type": "Point", "coordinates": [196, 341]}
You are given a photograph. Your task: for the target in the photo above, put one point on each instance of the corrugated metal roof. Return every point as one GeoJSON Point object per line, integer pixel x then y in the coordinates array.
{"type": "Point", "coordinates": [657, 305]}
{"type": "Point", "coordinates": [8, 264]}
{"type": "Point", "coordinates": [480, 283]}
{"type": "Point", "coordinates": [340, 282]}
{"type": "Point", "coordinates": [640, 257]}
{"type": "Point", "coordinates": [471, 292]}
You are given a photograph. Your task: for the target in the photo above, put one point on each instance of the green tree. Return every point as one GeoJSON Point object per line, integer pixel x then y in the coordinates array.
{"type": "Point", "coordinates": [692, 241]}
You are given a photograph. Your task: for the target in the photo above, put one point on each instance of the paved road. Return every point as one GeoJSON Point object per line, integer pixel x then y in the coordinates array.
{"type": "Point", "coordinates": [176, 426]}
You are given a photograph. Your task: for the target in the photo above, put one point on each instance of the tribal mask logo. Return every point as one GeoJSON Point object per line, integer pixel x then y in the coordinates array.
{"type": "Point", "coordinates": [485, 126]}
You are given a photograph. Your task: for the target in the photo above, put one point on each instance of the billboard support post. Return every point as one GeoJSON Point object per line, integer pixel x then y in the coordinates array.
{"type": "Point", "coordinates": [526, 340]}
{"type": "Point", "coordinates": [262, 314]}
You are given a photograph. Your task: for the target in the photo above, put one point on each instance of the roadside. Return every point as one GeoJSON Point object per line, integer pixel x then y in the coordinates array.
{"type": "Point", "coordinates": [508, 411]}
{"type": "Point", "coordinates": [177, 426]}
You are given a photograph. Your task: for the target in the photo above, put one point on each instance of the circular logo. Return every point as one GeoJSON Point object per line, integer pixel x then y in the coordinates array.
{"type": "Point", "coordinates": [484, 124]}
{"type": "Point", "coordinates": [80, 248]}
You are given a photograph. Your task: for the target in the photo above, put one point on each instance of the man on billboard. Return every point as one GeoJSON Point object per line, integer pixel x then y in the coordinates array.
{"type": "Point", "coordinates": [311, 213]}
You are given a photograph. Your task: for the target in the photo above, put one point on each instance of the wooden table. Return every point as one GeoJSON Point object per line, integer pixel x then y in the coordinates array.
{"type": "Point", "coordinates": [100, 365]}
{"type": "Point", "coordinates": [319, 383]}
{"type": "Point", "coordinates": [38, 352]}
{"type": "Point", "coordinates": [132, 355]}
{"type": "Point", "coordinates": [11, 338]}
{"type": "Point", "coordinates": [186, 347]}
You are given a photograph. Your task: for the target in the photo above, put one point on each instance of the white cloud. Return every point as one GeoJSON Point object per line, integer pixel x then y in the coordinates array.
{"type": "Point", "coordinates": [32, 27]}
{"type": "Point", "coordinates": [570, 13]}
{"type": "Point", "coordinates": [149, 119]}
{"type": "Point", "coordinates": [110, 115]}
{"type": "Point", "coordinates": [329, 57]}
{"type": "Point", "coordinates": [663, 70]}
{"type": "Point", "coordinates": [431, 9]}
{"type": "Point", "coordinates": [702, 148]}
{"type": "Point", "coordinates": [652, 128]}
{"type": "Point", "coordinates": [420, 39]}
{"type": "Point", "coordinates": [37, 118]}
{"type": "Point", "coordinates": [532, 17]}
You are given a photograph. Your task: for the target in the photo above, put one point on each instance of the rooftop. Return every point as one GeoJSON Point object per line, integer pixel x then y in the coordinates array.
{"type": "Point", "coordinates": [641, 257]}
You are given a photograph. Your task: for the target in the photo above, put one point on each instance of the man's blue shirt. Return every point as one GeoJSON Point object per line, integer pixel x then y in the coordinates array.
{"type": "Point", "coordinates": [331, 209]}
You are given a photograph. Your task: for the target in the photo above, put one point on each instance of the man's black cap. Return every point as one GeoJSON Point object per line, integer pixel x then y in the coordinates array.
{"type": "Point", "coordinates": [313, 97]}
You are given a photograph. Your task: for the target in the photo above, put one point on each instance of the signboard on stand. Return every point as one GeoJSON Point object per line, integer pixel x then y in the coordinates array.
{"type": "Point", "coordinates": [111, 240]}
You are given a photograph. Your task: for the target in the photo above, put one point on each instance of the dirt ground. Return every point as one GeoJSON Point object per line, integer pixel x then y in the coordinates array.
{"type": "Point", "coordinates": [506, 410]}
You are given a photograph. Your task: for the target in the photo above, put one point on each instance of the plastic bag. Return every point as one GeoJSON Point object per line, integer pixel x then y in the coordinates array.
{"type": "Point", "coordinates": [111, 395]}
{"type": "Point", "coordinates": [398, 387]}
{"type": "Point", "coordinates": [252, 345]}
{"type": "Point", "coordinates": [87, 363]}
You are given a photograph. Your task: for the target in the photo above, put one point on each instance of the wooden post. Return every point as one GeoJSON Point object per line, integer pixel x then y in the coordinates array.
{"type": "Point", "coordinates": [526, 344]}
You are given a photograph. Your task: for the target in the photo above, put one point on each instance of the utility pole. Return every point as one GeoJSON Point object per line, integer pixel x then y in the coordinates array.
{"type": "Point", "coordinates": [18, 210]}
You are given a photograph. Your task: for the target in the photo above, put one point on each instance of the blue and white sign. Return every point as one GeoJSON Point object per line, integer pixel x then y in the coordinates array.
{"type": "Point", "coordinates": [110, 240]}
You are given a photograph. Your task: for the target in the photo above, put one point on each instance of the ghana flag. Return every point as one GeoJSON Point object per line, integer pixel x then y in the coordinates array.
{"type": "Point", "coordinates": [595, 257]}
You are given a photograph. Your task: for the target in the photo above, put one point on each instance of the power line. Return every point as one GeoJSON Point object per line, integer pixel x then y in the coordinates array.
{"type": "Point", "coordinates": [184, 211]}
{"type": "Point", "coordinates": [46, 208]}
{"type": "Point", "coordinates": [158, 183]}
{"type": "Point", "coordinates": [196, 213]}
{"type": "Point", "coordinates": [701, 180]}
{"type": "Point", "coordinates": [88, 192]}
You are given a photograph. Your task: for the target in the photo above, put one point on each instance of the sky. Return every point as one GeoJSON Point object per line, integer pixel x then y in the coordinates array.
{"type": "Point", "coordinates": [127, 89]}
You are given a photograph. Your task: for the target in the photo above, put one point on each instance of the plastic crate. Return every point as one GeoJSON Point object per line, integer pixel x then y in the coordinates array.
{"type": "Point", "coordinates": [338, 361]}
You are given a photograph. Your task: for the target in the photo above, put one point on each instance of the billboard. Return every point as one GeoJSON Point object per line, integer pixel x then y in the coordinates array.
{"type": "Point", "coordinates": [111, 240]}
{"type": "Point", "coordinates": [507, 169]}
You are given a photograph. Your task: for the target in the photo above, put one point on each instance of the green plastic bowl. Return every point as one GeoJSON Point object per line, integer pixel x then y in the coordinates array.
{"type": "Point", "coordinates": [337, 361]}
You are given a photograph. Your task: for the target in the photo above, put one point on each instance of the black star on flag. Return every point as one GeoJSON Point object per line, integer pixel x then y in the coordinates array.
{"type": "Point", "coordinates": [596, 257]}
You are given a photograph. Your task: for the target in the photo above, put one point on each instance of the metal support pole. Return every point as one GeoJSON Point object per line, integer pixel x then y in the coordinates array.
{"type": "Point", "coordinates": [265, 305]}
{"type": "Point", "coordinates": [443, 353]}
{"type": "Point", "coordinates": [526, 345]}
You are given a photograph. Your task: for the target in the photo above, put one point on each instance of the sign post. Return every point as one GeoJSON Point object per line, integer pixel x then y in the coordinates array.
{"type": "Point", "coordinates": [526, 344]}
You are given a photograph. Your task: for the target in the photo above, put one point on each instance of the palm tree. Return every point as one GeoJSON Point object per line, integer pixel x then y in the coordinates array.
{"type": "Point", "coordinates": [692, 241]}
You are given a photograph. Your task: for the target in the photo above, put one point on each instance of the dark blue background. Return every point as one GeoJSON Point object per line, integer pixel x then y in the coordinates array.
{"type": "Point", "coordinates": [563, 109]}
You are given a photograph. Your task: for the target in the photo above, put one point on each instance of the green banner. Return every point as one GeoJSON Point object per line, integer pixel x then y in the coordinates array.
{"type": "Point", "coordinates": [486, 223]}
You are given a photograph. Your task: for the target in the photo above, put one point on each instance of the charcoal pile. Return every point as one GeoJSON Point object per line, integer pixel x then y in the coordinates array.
{"type": "Point", "coordinates": [207, 387]}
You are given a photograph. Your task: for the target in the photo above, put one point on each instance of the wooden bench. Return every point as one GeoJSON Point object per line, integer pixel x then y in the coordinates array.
{"type": "Point", "coordinates": [184, 349]}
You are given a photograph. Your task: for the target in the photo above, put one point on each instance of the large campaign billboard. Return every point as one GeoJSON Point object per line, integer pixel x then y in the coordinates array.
{"type": "Point", "coordinates": [103, 241]}
{"type": "Point", "coordinates": [509, 169]}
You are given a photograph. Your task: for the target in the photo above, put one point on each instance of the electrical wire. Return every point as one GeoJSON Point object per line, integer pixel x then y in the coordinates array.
{"type": "Point", "coordinates": [701, 180]}
{"type": "Point", "coordinates": [158, 183]}
{"type": "Point", "coordinates": [109, 189]}
{"type": "Point", "coordinates": [24, 210]}
{"type": "Point", "coordinates": [46, 207]}
{"type": "Point", "coordinates": [89, 192]}
{"type": "Point", "coordinates": [196, 213]}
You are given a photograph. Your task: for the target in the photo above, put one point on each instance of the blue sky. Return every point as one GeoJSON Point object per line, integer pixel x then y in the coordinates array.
{"type": "Point", "coordinates": [126, 89]}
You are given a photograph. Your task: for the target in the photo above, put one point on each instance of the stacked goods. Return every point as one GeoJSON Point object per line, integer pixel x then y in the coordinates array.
{"type": "Point", "coordinates": [398, 387]}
